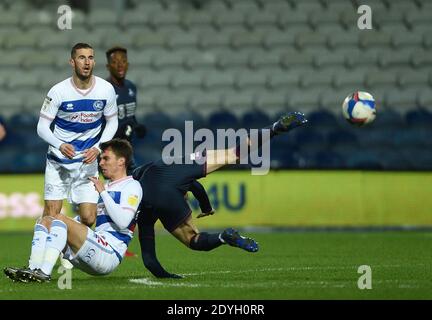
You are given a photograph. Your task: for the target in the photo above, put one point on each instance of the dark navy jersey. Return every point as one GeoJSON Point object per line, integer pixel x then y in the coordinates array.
{"type": "Point", "coordinates": [126, 103]}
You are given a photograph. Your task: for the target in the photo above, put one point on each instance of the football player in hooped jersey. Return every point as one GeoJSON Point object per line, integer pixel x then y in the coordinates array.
{"type": "Point", "coordinates": [77, 106]}
{"type": "Point", "coordinates": [100, 251]}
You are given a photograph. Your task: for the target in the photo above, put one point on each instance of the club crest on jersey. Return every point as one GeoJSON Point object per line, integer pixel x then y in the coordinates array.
{"type": "Point", "coordinates": [98, 105]}
{"type": "Point", "coordinates": [131, 92]}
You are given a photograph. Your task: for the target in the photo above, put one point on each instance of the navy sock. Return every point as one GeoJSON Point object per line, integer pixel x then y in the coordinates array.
{"type": "Point", "coordinates": [205, 241]}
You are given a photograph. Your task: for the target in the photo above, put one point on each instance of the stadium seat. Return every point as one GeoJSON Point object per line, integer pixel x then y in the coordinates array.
{"type": "Point", "coordinates": [418, 117]}
{"type": "Point", "coordinates": [290, 59]}
{"type": "Point", "coordinates": [222, 19]}
{"type": "Point", "coordinates": [421, 59]}
{"type": "Point", "coordinates": [329, 160]}
{"type": "Point", "coordinates": [265, 59]}
{"type": "Point", "coordinates": [205, 101]}
{"type": "Point", "coordinates": [148, 39]}
{"type": "Point", "coordinates": [329, 58]}
{"type": "Point", "coordinates": [374, 39]}
{"type": "Point", "coordinates": [283, 79]}
{"type": "Point", "coordinates": [320, 79]}
{"type": "Point", "coordinates": [363, 160]}
{"type": "Point", "coordinates": [240, 40]}
{"type": "Point", "coordinates": [310, 39]}
{"type": "Point", "coordinates": [401, 58]}
{"type": "Point", "coordinates": [255, 119]}
{"type": "Point", "coordinates": [250, 79]}
{"type": "Point", "coordinates": [256, 20]}
{"type": "Point", "coordinates": [160, 79]}
{"type": "Point", "coordinates": [36, 18]}
{"type": "Point", "coordinates": [223, 120]}
{"type": "Point", "coordinates": [187, 80]}
{"type": "Point", "coordinates": [414, 78]}
{"type": "Point", "coordinates": [102, 17]}
{"type": "Point", "coordinates": [179, 40]}
{"type": "Point", "coordinates": [218, 80]}
{"type": "Point", "coordinates": [322, 118]}
{"type": "Point", "coordinates": [195, 19]}
{"type": "Point", "coordinates": [160, 20]}
{"type": "Point", "coordinates": [272, 100]}
{"type": "Point", "coordinates": [288, 19]}
{"type": "Point", "coordinates": [199, 60]}
{"type": "Point", "coordinates": [174, 102]}
{"type": "Point", "coordinates": [239, 100]}
{"type": "Point", "coordinates": [378, 78]}
{"type": "Point", "coordinates": [167, 60]}
{"type": "Point", "coordinates": [210, 40]}
{"type": "Point", "coordinates": [348, 39]}
{"type": "Point", "coordinates": [425, 98]}
{"type": "Point", "coordinates": [402, 99]}
{"type": "Point", "coordinates": [279, 39]}
{"type": "Point", "coordinates": [233, 59]}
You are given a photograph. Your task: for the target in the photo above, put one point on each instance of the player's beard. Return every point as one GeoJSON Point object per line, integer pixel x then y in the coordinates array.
{"type": "Point", "coordinates": [81, 76]}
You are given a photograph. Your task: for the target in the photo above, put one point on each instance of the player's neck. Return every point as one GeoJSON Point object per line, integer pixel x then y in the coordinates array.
{"type": "Point", "coordinates": [118, 176]}
{"type": "Point", "coordinates": [117, 82]}
{"type": "Point", "coordinates": [82, 84]}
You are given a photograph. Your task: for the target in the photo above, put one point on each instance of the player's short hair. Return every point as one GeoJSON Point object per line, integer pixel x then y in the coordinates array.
{"type": "Point", "coordinates": [79, 45]}
{"type": "Point", "coordinates": [115, 49]}
{"type": "Point", "coordinates": [120, 147]}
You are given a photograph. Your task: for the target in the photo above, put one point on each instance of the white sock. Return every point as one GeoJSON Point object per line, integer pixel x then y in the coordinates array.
{"type": "Point", "coordinates": [38, 246]}
{"type": "Point", "coordinates": [55, 243]}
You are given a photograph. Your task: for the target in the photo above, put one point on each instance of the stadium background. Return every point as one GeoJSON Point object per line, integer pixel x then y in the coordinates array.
{"type": "Point", "coordinates": [235, 63]}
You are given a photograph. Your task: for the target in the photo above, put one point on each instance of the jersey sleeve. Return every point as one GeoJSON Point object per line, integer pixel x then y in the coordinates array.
{"type": "Point", "coordinates": [51, 104]}
{"type": "Point", "coordinates": [131, 196]}
{"type": "Point", "coordinates": [111, 106]}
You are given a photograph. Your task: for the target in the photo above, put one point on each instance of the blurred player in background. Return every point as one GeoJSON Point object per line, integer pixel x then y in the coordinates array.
{"type": "Point", "coordinates": [2, 130]}
{"type": "Point", "coordinates": [77, 107]}
{"type": "Point", "coordinates": [126, 92]}
{"type": "Point", "coordinates": [164, 187]}
{"type": "Point", "coordinates": [100, 251]}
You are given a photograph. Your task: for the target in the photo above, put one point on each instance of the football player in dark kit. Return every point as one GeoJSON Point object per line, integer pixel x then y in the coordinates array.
{"type": "Point", "coordinates": [164, 188]}
{"type": "Point", "coordinates": [117, 65]}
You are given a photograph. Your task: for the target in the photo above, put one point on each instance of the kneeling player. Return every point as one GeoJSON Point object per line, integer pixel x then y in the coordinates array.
{"type": "Point", "coordinates": [164, 189]}
{"type": "Point", "coordinates": [96, 252]}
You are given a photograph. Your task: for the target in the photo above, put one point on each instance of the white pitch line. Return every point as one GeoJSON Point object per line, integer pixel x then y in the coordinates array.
{"type": "Point", "coordinates": [151, 283]}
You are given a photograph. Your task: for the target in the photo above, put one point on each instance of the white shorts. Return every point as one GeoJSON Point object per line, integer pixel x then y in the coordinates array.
{"type": "Point", "coordinates": [96, 256]}
{"type": "Point", "coordinates": [70, 181]}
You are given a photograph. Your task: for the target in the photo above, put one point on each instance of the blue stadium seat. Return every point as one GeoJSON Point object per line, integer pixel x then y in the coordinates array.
{"type": "Point", "coordinates": [329, 160]}
{"type": "Point", "coordinates": [322, 118]}
{"type": "Point", "coordinates": [223, 119]}
{"type": "Point", "coordinates": [363, 160]}
{"type": "Point", "coordinates": [418, 117]}
{"type": "Point", "coordinates": [255, 119]}
{"type": "Point", "coordinates": [158, 120]}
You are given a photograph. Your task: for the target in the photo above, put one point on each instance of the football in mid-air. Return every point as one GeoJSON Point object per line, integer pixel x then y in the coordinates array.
{"type": "Point", "coordinates": [359, 108]}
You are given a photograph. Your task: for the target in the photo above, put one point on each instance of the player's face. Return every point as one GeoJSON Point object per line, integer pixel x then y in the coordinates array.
{"type": "Point", "coordinates": [83, 63]}
{"type": "Point", "coordinates": [110, 165]}
{"type": "Point", "coordinates": [118, 65]}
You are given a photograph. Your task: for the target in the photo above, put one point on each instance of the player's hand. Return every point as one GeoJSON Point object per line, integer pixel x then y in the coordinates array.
{"type": "Point", "coordinates": [98, 184]}
{"type": "Point", "coordinates": [90, 155]}
{"type": "Point", "coordinates": [67, 150]}
{"type": "Point", "coordinates": [205, 214]}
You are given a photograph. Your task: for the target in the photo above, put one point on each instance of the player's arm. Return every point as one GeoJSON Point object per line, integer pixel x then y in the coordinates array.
{"type": "Point", "coordinates": [200, 194]}
{"type": "Point", "coordinates": [47, 114]}
{"type": "Point", "coordinates": [148, 247]}
{"type": "Point", "coordinates": [124, 212]}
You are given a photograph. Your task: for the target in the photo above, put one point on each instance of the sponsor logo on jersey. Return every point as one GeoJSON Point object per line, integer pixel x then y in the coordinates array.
{"type": "Point", "coordinates": [98, 105]}
{"type": "Point", "coordinates": [69, 106]}
{"type": "Point", "coordinates": [133, 200]}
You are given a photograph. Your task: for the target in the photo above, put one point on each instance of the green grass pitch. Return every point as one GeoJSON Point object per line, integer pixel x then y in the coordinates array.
{"type": "Point", "coordinates": [289, 265]}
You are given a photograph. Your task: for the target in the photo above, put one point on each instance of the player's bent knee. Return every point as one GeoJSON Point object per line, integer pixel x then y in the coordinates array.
{"type": "Point", "coordinates": [88, 220]}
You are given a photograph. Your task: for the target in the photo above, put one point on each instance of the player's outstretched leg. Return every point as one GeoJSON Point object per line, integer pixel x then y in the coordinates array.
{"type": "Point", "coordinates": [234, 239]}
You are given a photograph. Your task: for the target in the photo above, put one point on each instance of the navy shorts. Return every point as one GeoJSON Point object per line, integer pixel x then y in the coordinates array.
{"type": "Point", "coordinates": [164, 190]}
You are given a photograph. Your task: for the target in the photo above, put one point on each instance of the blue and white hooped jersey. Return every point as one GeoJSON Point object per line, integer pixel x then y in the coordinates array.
{"type": "Point", "coordinates": [77, 114]}
{"type": "Point", "coordinates": [127, 193]}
